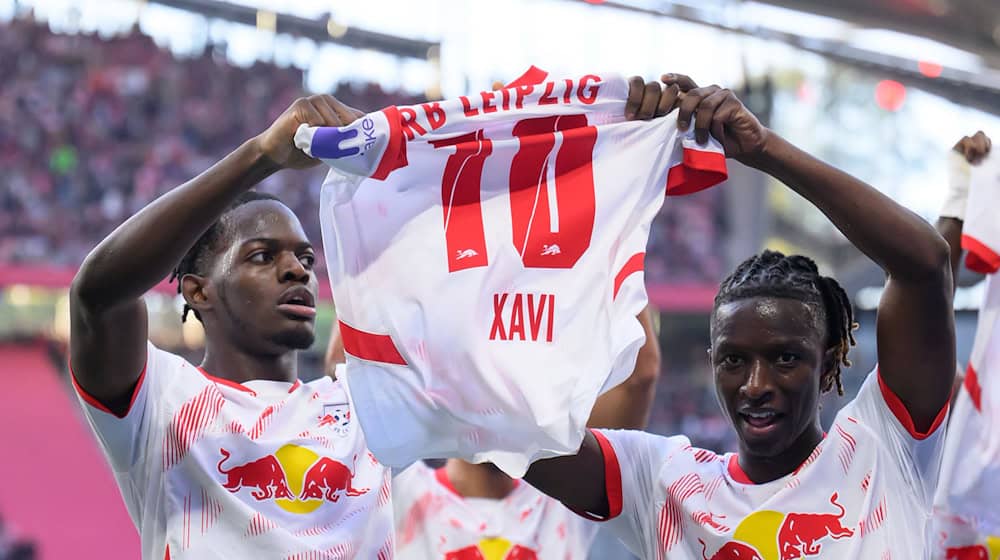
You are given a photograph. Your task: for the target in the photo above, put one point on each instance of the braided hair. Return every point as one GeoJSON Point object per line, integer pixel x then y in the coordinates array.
{"type": "Point", "coordinates": [772, 274]}
{"type": "Point", "coordinates": [197, 259]}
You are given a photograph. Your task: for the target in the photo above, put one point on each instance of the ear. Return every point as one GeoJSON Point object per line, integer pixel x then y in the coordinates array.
{"type": "Point", "coordinates": [196, 290]}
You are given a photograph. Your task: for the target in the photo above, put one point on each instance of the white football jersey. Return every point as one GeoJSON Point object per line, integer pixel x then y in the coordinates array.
{"type": "Point", "coordinates": [864, 493]}
{"type": "Point", "coordinates": [968, 519]}
{"type": "Point", "coordinates": [434, 522]}
{"type": "Point", "coordinates": [486, 256]}
{"type": "Point", "coordinates": [209, 468]}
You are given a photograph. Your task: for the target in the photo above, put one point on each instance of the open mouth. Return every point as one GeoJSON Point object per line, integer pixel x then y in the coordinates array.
{"type": "Point", "coordinates": [298, 303]}
{"type": "Point", "coordinates": [760, 422]}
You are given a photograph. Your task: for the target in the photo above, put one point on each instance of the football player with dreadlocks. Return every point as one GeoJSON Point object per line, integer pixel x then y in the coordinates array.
{"type": "Point", "coordinates": [780, 334]}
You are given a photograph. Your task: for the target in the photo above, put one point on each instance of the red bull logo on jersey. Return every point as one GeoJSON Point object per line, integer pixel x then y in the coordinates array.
{"type": "Point", "coordinates": [492, 549]}
{"type": "Point", "coordinates": [988, 551]}
{"type": "Point", "coordinates": [772, 535]}
{"type": "Point", "coordinates": [294, 477]}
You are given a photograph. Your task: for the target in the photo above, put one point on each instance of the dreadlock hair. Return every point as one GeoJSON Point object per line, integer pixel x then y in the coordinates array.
{"type": "Point", "coordinates": [196, 260]}
{"type": "Point", "coordinates": [772, 274]}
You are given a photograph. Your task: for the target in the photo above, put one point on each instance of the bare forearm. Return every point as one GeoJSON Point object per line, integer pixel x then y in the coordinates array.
{"type": "Point", "coordinates": [899, 241]}
{"type": "Point", "coordinates": [144, 249]}
{"type": "Point", "coordinates": [951, 230]}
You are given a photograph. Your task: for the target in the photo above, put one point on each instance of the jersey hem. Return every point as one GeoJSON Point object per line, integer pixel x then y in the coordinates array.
{"type": "Point", "coordinates": [369, 346]}
{"type": "Point", "coordinates": [697, 171]}
{"type": "Point", "coordinates": [899, 410]}
{"type": "Point", "coordinates": [635, 263]}
{"type": "Point", "coordinates": [93, 402]}
{"type": "Point", "coordinates": [981, 258]}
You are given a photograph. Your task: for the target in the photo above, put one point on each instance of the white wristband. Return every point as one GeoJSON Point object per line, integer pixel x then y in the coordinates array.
{"type": "Point", "coordinates": [958, 187]}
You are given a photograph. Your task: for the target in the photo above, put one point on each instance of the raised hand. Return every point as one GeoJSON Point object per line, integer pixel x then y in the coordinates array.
{"type": "Point", "coordinates": [717, 111]}
{"type": "Point", "coordinates": [277, 142]}
{"type": "Point", "coordinates": [974, 147]}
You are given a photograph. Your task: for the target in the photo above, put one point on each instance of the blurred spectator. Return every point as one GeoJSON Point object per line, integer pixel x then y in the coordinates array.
{"type": "Point", "coordinates": [93, 129]}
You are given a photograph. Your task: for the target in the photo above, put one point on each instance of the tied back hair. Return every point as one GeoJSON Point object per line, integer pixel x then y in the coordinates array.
{"type": "Point", "coordinates": [773, 274]}
{"type": "Point", "coordinates": [199, 257]}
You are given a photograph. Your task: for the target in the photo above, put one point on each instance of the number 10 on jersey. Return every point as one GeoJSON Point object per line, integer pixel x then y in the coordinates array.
{"type": "Point", "coordinates": [552, 203]}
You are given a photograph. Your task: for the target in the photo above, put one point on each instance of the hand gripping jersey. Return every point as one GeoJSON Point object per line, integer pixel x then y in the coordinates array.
{"type": "Point", "coordinates": [864, 493]}
{"type": "Point", "coordinates": [209, 468]}
{"type": "Point", "coordinates": [434, 522]}
{"type": "Point", "coordinates": [486, 257]}
{"type": "Point", "coordinates": [966, 505]}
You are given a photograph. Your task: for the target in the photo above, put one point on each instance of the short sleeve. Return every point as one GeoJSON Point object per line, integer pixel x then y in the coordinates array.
{"type": "Point", "coordinates": [694, 167]}
{"type": "Point", "coordinates": [632, 462]}
{"type": "Point", "coordinates": [918, 454]}
{"type": "Point", "coordinates": [981, 230]}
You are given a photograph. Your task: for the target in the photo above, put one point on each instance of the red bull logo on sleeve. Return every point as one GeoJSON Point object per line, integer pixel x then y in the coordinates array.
{"type": "Point", "coordinates": [492, 549]}
{"type": "Point", "coordinates": [294, 477]}
{"type": "Point", "coordinates": [772, 535]}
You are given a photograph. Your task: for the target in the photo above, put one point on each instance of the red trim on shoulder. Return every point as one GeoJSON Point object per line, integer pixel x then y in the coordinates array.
{"type": "Point", "coordinates": [899, 411]}
{"type": "Point", "coordinates": [370, 346]}
{"type": "Point", "coordinates": [532, 76]}
{"type": "Point", "coordinates": [736, 472]}
{"type": "Point", "coordinates": [635, 263]}
{"type": "Point", "coordinates": [227, 382]}
{"type": "Point", "coordinates": [971, 384]}
{"type": "Point", "coordinates": [394, 156]}
{"type": "Point", "coordinates": [92, 401]}
{"type": "Point", "coordinates": [441, 474]}
{"type": "Point", "coordinates": [980, 257]}
{"type": "Point", "coordinates": [699, 170]}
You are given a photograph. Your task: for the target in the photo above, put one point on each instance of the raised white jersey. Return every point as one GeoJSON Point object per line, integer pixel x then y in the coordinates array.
{"type": "Point", "coordinates": [864, 493]}
{"type": "Point", "coordinates": [434, 522]}
{"type": "Point", "coordinates": [486, 257]}
{"type": "Point", "coordinates": [209, 468]}
{"type": "Point", "coordinates": [968, 519]}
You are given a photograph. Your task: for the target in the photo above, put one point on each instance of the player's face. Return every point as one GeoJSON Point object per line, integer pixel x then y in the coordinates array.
{"type": "Point", "coordinates": [768, 358]}
{"type": "Point", "coordinates": [264, 280]}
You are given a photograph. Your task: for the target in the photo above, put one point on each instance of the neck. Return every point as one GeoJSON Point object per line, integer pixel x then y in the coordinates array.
{"type": "Point", "coordinates": [238, 366]}
{"type": "Point", "coordinates": [761, 469]}
{"type": "Point", "coordinates": [478, 481]}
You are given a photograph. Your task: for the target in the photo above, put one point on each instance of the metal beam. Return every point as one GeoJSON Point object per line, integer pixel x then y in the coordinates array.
{"type": "Point", "coordinates": [314, 29]}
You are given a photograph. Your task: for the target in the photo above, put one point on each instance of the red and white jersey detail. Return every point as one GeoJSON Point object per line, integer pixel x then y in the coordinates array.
{"type": "Point", "coordinates": [433, 522]}
{"type": "Point", "coordinates": [209, 468]}
{"type": "Point", "coordinates": [966, 505]}
{"type": "Point", "coordinates": [866, 491]}
{"type": "Point", "coordinates": [467, 238]}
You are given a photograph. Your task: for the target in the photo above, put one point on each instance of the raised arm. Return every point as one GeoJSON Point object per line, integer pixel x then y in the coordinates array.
{"type": "Point", "coordinates": [628, 405]}
{"type": "Point", "coordinates": [334, 351]}
{"type": "Point", "coordinates": [107, 313]}
{"type": "Point", "coordinates": [970, 150]}
{"type": "Point", "coordinates": [916, 333]}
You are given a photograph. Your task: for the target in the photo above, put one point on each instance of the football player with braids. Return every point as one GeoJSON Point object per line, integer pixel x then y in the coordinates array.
{"type": "Point", "coordinates": [780, 335]}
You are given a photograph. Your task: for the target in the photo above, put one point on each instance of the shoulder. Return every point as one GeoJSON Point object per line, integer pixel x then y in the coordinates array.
{"type": "Point", "coordinates": [669, 456]}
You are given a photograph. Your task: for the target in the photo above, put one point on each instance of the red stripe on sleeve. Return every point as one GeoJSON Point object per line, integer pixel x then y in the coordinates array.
{"type": "Point", "coordinates": [92, 401]}
{"type": "Point", "coordinates": [369, 346]}
{"type": "Point", "coordinates": [699, 170]}
{"type": "Point", "coordinates": [980, 258]}
{"type": "Point", "coordinates": [395, 152]}
{"type": "Point", "coordinates": [971, 384]}
{"type": "Point", "coordinates": [612, 475]}
{"type": "Point", "coordinates": [899, 411]}
{"type": "Point", "coordinates": [635, 263]}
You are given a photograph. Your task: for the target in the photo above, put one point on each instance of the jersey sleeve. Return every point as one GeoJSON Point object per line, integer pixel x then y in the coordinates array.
{"type": "Point", "coordinates": [633, 461]}
{"type": "Point", "coordinates": [694, 167]}
{"type": "Point", "coordinates": [981, 230]}
{"type": "Point", "coordinates": [918, 454]}
{"type": "Point", "coordinates": [371, 146]}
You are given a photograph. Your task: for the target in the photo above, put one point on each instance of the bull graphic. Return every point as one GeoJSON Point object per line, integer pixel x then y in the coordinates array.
{"type": "Point", "coordinates": [264, 475]}
{"type": "Point", "coordinates": [731, 551]}
{"type": "Point", "coordinates": [328, 478]}
{"type": "Point", "coordinates": [801, 532]}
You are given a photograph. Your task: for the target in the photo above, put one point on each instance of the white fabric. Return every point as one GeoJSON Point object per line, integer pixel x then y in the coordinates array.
{"type": "Point", "coordinates": [434, 523]}
{"type": "Point", "coordinates": [864, 493]}
{"type": "Point", "coordinates": [969, 491]}
{"type": "Point", "coordinates": [454, 382]}
{"type": "Point", "coordinates": [184, 457]}
{"type": "Point", "coordinates": [957, 196]}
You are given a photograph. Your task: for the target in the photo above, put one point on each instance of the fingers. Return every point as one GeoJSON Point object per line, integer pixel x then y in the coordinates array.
{"type": "Point", "coordinates": [685, 83]}
{"type": "Point", "coordinates": [668, 98]}
{"type": "Point", "coordinates": [326, 110]}
{"type": "Point", "coordinates": [650, 101]}
{"type": "Point", "coordinates": [308, 112]}
{"type": "Point", "coordinates": [636, 91]}
{"type": "Point", "coordinates": [689, 103]}
{"type": "Point", "coordinates": [705, 114]}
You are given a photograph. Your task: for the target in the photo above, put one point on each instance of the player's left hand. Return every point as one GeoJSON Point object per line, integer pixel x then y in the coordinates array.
{"type": "Point", "coordinates": [974, 148]}
{"type": "Point", "coordinates": [718, 112]}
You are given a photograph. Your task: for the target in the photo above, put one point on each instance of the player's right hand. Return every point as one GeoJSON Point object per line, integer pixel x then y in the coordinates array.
{"type": "Point", "coordinates": [974, 148]}
{"type": "Point", "coordinates": [277, 143]}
